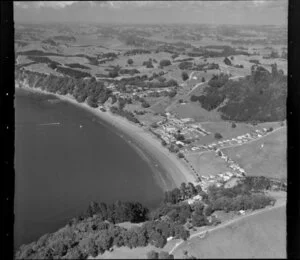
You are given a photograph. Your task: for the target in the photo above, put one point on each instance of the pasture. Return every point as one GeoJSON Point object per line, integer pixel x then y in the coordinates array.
{"type": "Point", "coordinates": [258, 236]}
{"type": "Point", "coordinates": [195, 111]}
{"type": "Point", "coordinates": [207, 163]}
{"type": "Point", "coordinates": [264, 157]}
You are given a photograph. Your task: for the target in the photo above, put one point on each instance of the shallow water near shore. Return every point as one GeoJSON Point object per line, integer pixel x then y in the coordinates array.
{"type": "Point", "coordinates": [65, 158]}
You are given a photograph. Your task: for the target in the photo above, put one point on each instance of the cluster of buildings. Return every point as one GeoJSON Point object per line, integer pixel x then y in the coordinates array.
{"type": "Point", "coordinates": [142, 92]}
{"type": "Point", "coordinates": [221, 178]}
{"type": "Point", "coordinates": [233, 141]}
{"type": "Point", "coordinates": [238, 171]}
{"type": "Point", "coordinates": [218, 179]}
{"type": "Point", "coordinates": [169, 127]}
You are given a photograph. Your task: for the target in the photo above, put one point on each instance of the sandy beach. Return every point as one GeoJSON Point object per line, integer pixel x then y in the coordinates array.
{"type": "Point", "coordinates": [145, 143]}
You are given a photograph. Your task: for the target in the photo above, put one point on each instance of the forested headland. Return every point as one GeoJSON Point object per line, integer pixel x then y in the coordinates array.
{"type": "Point", "coordinates": [96, 230]}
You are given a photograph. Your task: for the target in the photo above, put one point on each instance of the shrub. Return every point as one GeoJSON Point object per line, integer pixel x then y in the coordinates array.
{"type": "Point", "coordinates": [164, 63]}
{"type": "Point", "coordinates": [208, 211]}
{"type": "Point", "coordinates": [163, 142]}
{"type": "Point", "coordinates": [113, 74]}
{"type": "Point", "coordinates": [194, 98]}
{"type": "Point", "coordinates": [145, 104]}
{"type": "Point", "coordinates": [203, 79]}
{"type": "Point", "coordinates": [218, 136]}
{"type": "Point", "coordinates": [185, 65]}
{"type": "Point", "coordinates": [218, 81]}
{"type": "Point", "coordinates": [165, 255]}
{"type": "Point", "coordinates": [172, 93]}
{"type": "Point", "coordinates": [233, 125]}
{"type": "Point", "coordinates": [152, 255]}
{"type": "Point", "coordinates": [227, 61]}
{"type": "Point", "coordinates": [199, 220]}
{"type": "Point", "coordinates": [78, 66]}
{"type": "Point", "coordinates": [130, 61]}
{"type": "Point", "coordinates": [174, 56]}
{"type": "Point", "coordinates": [161, 79]}
{"type": "Point", "coordinates": [72, 73]}
{"type": "Point", "coordinates": [184, 76]}
{"type": "Point", "coordinates": [148, 64]}
{"type": "Point", "coordinates": [180, 155]}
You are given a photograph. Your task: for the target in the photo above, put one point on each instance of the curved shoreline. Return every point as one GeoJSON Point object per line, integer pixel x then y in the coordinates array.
{"type": "Point", "coordinates": [143, 142]}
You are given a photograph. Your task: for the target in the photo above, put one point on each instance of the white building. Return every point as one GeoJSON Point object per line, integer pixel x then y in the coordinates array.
{"type": "Point", "coordinates": [169, 239]}
{"type": "Point", "coordinates": [197, 197]}
{"type": "Point", "coordinates": [226, 178]}
{"type": "Point", "coordinates": [185, 120]}
{"type": "Point", "coordinates": [242, 212]}
{"type": "Point", "coordinates": [230, 174]}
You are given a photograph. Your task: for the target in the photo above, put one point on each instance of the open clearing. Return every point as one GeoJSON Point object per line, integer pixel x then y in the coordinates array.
{"type": "Point", "coordinates": [127, 253]}
{"type": "Point", "coordinates": [207, 163]}
{"type": "Point", "coordinates": [195, 111]}
{"type": "Point", "coordinates": [264, 157]}
{"type": "Point", "coordinates": [258, 236]}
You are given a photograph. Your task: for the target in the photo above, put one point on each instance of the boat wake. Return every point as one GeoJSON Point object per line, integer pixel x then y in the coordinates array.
{"type": "Point", "coordinates": [49, 124]}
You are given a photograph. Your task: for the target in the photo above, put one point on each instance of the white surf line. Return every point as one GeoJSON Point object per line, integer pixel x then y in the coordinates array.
{"type": "Point", "coordinates": [50, 124]}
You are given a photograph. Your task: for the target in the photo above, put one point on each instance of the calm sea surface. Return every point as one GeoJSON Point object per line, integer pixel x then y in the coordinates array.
{"type": "Point", "coordinates": [60, 168]}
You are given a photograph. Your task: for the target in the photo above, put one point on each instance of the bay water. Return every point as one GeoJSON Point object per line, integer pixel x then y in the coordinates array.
{"type": "Point", "coordinates": [65, 157]}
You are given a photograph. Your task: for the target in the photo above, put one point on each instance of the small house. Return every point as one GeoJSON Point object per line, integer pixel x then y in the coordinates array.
{"type": "Point", "coordinates": [197, 197]}
{"type": "Point", "coordinates": [180, 143]}
{"type": "Point", "coordinates": [169, 239]}
{"type": "Point", "coordinates": [242, 212]}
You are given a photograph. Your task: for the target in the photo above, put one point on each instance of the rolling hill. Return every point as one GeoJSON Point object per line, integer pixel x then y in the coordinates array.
{"type": "Point", "coordinates": [260, 96]}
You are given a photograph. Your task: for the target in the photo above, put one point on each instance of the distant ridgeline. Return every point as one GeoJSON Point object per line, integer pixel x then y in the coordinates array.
{"type": "Point", "coordinates": [259, 97]}
{"type": "Point", "coordinates": [97, 230]}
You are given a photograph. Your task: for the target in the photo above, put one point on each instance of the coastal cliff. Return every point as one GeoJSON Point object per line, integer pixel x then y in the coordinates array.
{"type": "Point", "coordinates": [83, 89]}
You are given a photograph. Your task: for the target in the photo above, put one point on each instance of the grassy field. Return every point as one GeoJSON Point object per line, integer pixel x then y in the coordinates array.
{"type": "Point", "coordinates": [259, 236]}
{"type": "Point", "coordinates": [226, 130]}
{"type": "Point", "coordinates": [195, 111]}
{"type": "Point", "coordinates": [269, 160]}
{"type": "Point", "coordinates": [207, 163]}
